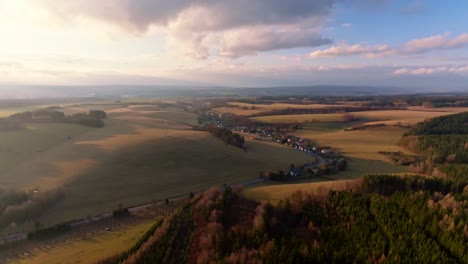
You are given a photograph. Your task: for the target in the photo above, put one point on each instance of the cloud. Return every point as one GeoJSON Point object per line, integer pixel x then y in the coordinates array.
{"type": "Point", "coordinates": [415, 46]}
{"type": "Point", "coordinates": [431, 70]}
{"type": "Point", "coordinates": [435, 42]}
{"type": "Point", "coordinates": [252, 40]}
{"type": "Point", "coordinates": [344, 49]}
{"type": "Point", "coordinates": [207, 27]}
{"type": "Point", "coordinates": [346, 25]}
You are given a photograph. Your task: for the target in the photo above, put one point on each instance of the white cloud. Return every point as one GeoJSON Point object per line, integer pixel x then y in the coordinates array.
{"type": "Point", "coordinates": [344, 49]}
{"type": "Point", "coordinates": [431, 70]}
{"type": "Point", "coordinates": [416, 46]}
{"type": "Point", "coordinates": [346, 25]}
{"type": "Point", "coordinates": [434, 42]}
{"type": "Point", "coordinates": [207, 27]}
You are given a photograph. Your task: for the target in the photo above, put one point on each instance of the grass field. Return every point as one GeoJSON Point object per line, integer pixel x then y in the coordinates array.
{"type": "Point", "coordinates": [89, 250]}
{"type": "Point", "coordinates": [361, 148]}
{"type": "Point", "coordinates": [276, 192]}
{"type": "Point", "coordinates": [84, 108]}
{"type": "Point", "coordinates": [381, 116]}
{"type": "Point", "coordinates": [144, 154]}
{"type": "Point", "coordinates": [359, 143]}
{"type": "Point", "coordinates": [68, 108]}
{"type": "Point", "coordinates": [245, 109]}
{"type": "Point", "coordinates": [165, 167]}
{"type": "Point", "coordinates": [137, 157]}
{"type": "Point", "coordinates": [19, 148]}
{"type": "Point", "coordinates": [5, 112]}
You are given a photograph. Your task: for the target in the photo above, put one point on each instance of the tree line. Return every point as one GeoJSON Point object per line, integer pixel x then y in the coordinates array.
{"type": "Point", "coordinates": [226, 135]}
{"type": "Point", "coordinates": [94, 118]}
{"type": "Point", "coordinates": [444, 143]}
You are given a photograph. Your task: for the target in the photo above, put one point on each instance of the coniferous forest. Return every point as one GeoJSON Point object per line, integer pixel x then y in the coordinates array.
{"type": "Point", "coordinates": [384, 219]}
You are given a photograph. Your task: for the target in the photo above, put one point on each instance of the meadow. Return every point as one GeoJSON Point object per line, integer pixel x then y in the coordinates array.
{"type": "Point", "coordinates": [89, 249]}
{"type": "Point", "coordinates": [277, 192]}
{"type": "Point", "coordinates": [390, 117]}
{"type": "Point", "coordinates": [149, 152]}
{"type": "Point", "coordinates": [360, 147]}
{"type": "Point", "coordinates": [245, 109]}
{"type": "Point", "coordinates": [140, 155]}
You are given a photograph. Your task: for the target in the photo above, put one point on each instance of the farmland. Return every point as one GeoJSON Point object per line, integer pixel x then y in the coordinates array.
{"type": "Point", "coordinates": [148, 151]}
{"type": "Point", "coordinates": [276, 192]}
{"type": "Point", "coordinates": [245, 109]}
{"type": "Point", "coordinates": [361, 147]}
{"type": "Point", "coordinates": [146, 155]}
{"type": "Point", "coordinates": [379, 116]}
{"type": "Point", "coordinates": [90, 249]}
{"type": "Point", "coordinates": [152, 150]}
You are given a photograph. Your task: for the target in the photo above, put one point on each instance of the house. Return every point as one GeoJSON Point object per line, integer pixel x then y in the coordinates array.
{"type": "Point", "coordinates": [325, 151]}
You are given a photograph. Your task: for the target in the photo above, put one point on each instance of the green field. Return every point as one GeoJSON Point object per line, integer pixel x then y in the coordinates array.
{"type": "Point", "coordinates": [137, 157]}
{"type": "Point", "coordinates": [162, 168]}
{"type": "Point", "coordinates": [19, 148]}
{"type": "Point", "coordinates": [90, 249]}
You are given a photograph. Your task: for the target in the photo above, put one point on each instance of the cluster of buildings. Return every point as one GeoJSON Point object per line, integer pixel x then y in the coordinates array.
{"type": "Point", "coordinates": [326, 160]}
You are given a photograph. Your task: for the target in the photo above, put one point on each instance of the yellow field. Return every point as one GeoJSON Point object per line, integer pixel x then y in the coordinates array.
{"type": "Point", "coordinates": [292, 119]}
{"type": "Point", "coordinates": [361, 148]}
{"type": "Point", "coordinates": [90, 249]}
{"type": "Point", "coordinates": [362, 144]}
{"type": "Point", "coordinates": [405, 117]}
{"type": "Point", "coordinates": [276, 192]}
{"type": "Point", "coordinates": [84, 108]}
{"type": "Point", "coordinates": [439, 109]}
{"type": "Point", "coordinates": [380, 116]}
{"type": "Point", "coordinates": [236, 107]}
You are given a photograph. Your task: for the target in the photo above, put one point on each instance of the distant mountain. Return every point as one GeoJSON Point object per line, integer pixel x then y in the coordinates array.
{"type": "Point", "coordinates": [158, 91]}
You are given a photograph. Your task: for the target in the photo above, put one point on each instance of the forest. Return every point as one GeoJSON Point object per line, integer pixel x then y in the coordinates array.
{"type": "Point", "coordinates": [226, 135]}
{"type": "Point", "coordinates": [363, 225]}
{"type": "Point", "coordinates": [444, 142]}
{"type": "Point", "coordinates": [443, 125]}
{"type": "Point", "coordinates": [94, 118]}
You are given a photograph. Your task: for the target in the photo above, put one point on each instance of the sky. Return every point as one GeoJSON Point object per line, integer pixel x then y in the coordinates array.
{"type": "Point", "coordinates": [415, 44]}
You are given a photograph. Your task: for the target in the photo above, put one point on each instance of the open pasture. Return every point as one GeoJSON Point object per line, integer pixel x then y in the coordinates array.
{"type": "Point", "coordinates": [364, 144]}
{"type": "Point", "coordinates": [276, 192]}
{"type": "Point", "coordinates": [439, 109]}
{"type": "Point", "coordinates": [133, 160]}
{"type": "Point", "coordinates": [306, 118]}
{"type": "Point", "coordinates": [164, 167]}
{"type": "Point", "coordinates": [89, 249]}
{"type": "Point", "coordinates": [246, 109]}
{"type": "Point", "coordinates": [360, 147]}
{"type": "Point", "coordinates": [391, 117]}
{"type": "Point", "coordinates": [19, 148]}
{"type": "Point", "coordinates": [84, 108]}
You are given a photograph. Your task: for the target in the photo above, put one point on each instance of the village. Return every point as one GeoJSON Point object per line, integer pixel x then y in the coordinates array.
{"type": "Point", "coordinates": [328, 161]}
